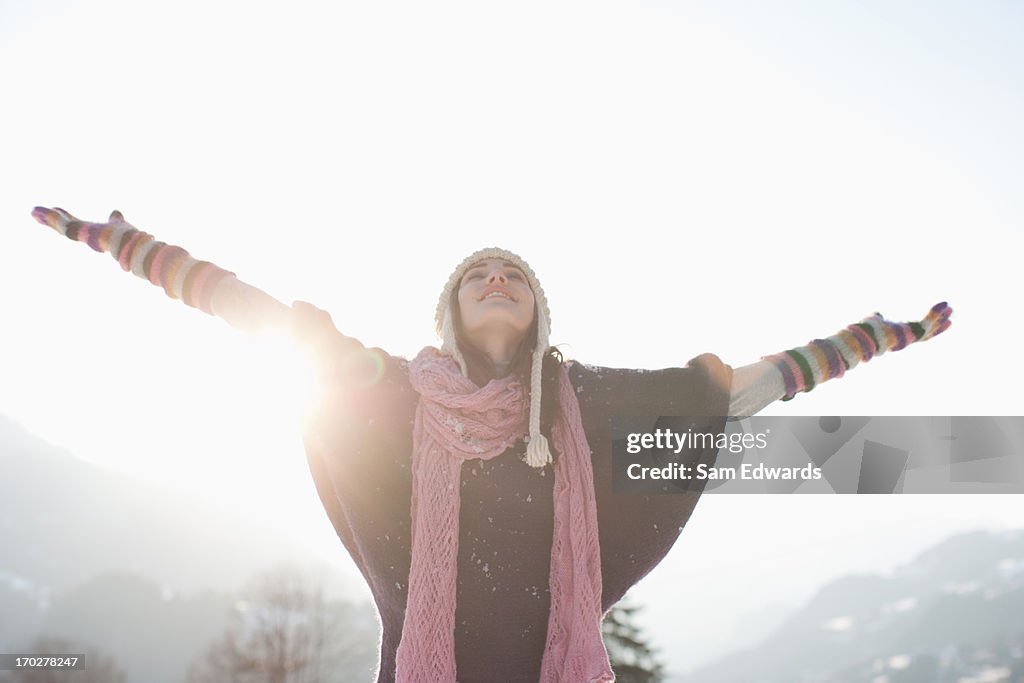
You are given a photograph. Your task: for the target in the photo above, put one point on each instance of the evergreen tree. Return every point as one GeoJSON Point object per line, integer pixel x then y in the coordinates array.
{"type": "Point", "coordinates": [632, 659]}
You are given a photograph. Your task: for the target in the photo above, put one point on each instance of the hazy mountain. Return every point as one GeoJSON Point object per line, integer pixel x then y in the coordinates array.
{"type": "Point", "coordinates": [153, 635]}
{"type": "Point", "coordinates": [946, 613]}
{"type": "Point", "coordinates": [146, 576]}
{"type": "Point", "coordinates": [64, 520]}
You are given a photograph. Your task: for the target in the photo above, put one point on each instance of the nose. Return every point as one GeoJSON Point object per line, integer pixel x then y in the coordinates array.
{"type": "Point", "coordinates": [497, 275]}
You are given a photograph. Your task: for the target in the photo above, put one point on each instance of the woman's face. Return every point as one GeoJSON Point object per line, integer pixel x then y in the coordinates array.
{"type": "Point", "coordinates": [495, 300]}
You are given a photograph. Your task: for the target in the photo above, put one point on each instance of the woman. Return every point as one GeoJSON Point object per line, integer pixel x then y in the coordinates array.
{"type": "Point", "coordinates": [472, 484]}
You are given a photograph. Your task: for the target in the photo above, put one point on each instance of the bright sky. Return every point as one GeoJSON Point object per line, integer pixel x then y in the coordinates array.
{"type": "Point", "coordinates": [683, 177]}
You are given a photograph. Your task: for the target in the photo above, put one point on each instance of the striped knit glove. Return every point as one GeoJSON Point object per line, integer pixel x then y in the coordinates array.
{"type": "Point", "coordinates": [805, 367]}
{"type": "Point", "coordinates": [170, 267]}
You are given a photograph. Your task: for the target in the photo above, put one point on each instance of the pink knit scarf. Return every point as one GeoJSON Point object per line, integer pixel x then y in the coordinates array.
{"type": "Point", "coordinates": [456, 421]}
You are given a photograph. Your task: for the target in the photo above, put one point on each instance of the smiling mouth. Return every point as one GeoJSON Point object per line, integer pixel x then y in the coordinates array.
{"type": "Point", "coordinates": [497, 295]}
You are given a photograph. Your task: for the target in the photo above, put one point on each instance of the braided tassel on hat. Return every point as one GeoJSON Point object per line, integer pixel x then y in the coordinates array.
{"type": "Point", "coordinates": [538, 453]}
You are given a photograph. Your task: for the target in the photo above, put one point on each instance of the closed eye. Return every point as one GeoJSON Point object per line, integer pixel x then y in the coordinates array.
{"type": "Point", "coordinates": [511, 272]}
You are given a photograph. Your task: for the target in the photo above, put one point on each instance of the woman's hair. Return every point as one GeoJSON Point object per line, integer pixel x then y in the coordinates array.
{"type": "Point", "coordinates": [480, 365]}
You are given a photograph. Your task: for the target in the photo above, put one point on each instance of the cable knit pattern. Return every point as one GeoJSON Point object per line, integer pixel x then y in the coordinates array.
{"type": "Point", "coordinates": [575, 650]}
{"type": "Point", "coordinates": [456, 421]}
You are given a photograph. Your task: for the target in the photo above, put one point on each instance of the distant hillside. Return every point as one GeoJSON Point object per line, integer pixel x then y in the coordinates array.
{"type": "Point", "coordinates": [950, 612]}
{"type": "Point", "coordinates": [64, 520]}
{"type": "Point", "coordinates": [145, 576]}
{"type": "Point", "coordinates": [153, 635]}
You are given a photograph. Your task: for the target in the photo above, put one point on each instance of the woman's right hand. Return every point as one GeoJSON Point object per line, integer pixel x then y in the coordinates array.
{"type": "Point", "coordinates": [60, 220]}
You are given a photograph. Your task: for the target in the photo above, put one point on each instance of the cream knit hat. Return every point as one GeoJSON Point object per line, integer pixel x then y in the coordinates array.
{"type": "Point", "coordinates": [537, 452]}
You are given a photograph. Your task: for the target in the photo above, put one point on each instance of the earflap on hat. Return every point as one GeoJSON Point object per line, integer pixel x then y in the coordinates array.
{"type": "Point", "coordinates": [538, 453]}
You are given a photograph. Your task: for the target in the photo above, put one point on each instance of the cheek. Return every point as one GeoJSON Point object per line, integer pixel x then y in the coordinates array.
{"type": "Point", "coordinates": [530, 303]}
{"type": "Point", "coordinates": [528, 313]}
{"type": "Point", "coordinates": [465, 306]}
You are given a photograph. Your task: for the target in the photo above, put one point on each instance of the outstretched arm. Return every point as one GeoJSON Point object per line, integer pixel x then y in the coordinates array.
{"type": "Point", "coordinates": [784, 375]}
{"type": "Point", "coordinates": [199, 284]}
{"type": "Point", "coordinates": [755, 386]}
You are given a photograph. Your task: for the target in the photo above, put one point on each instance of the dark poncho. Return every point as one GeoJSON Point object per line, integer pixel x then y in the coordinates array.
{"type": "Point", "coordinates": [359, 448]}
